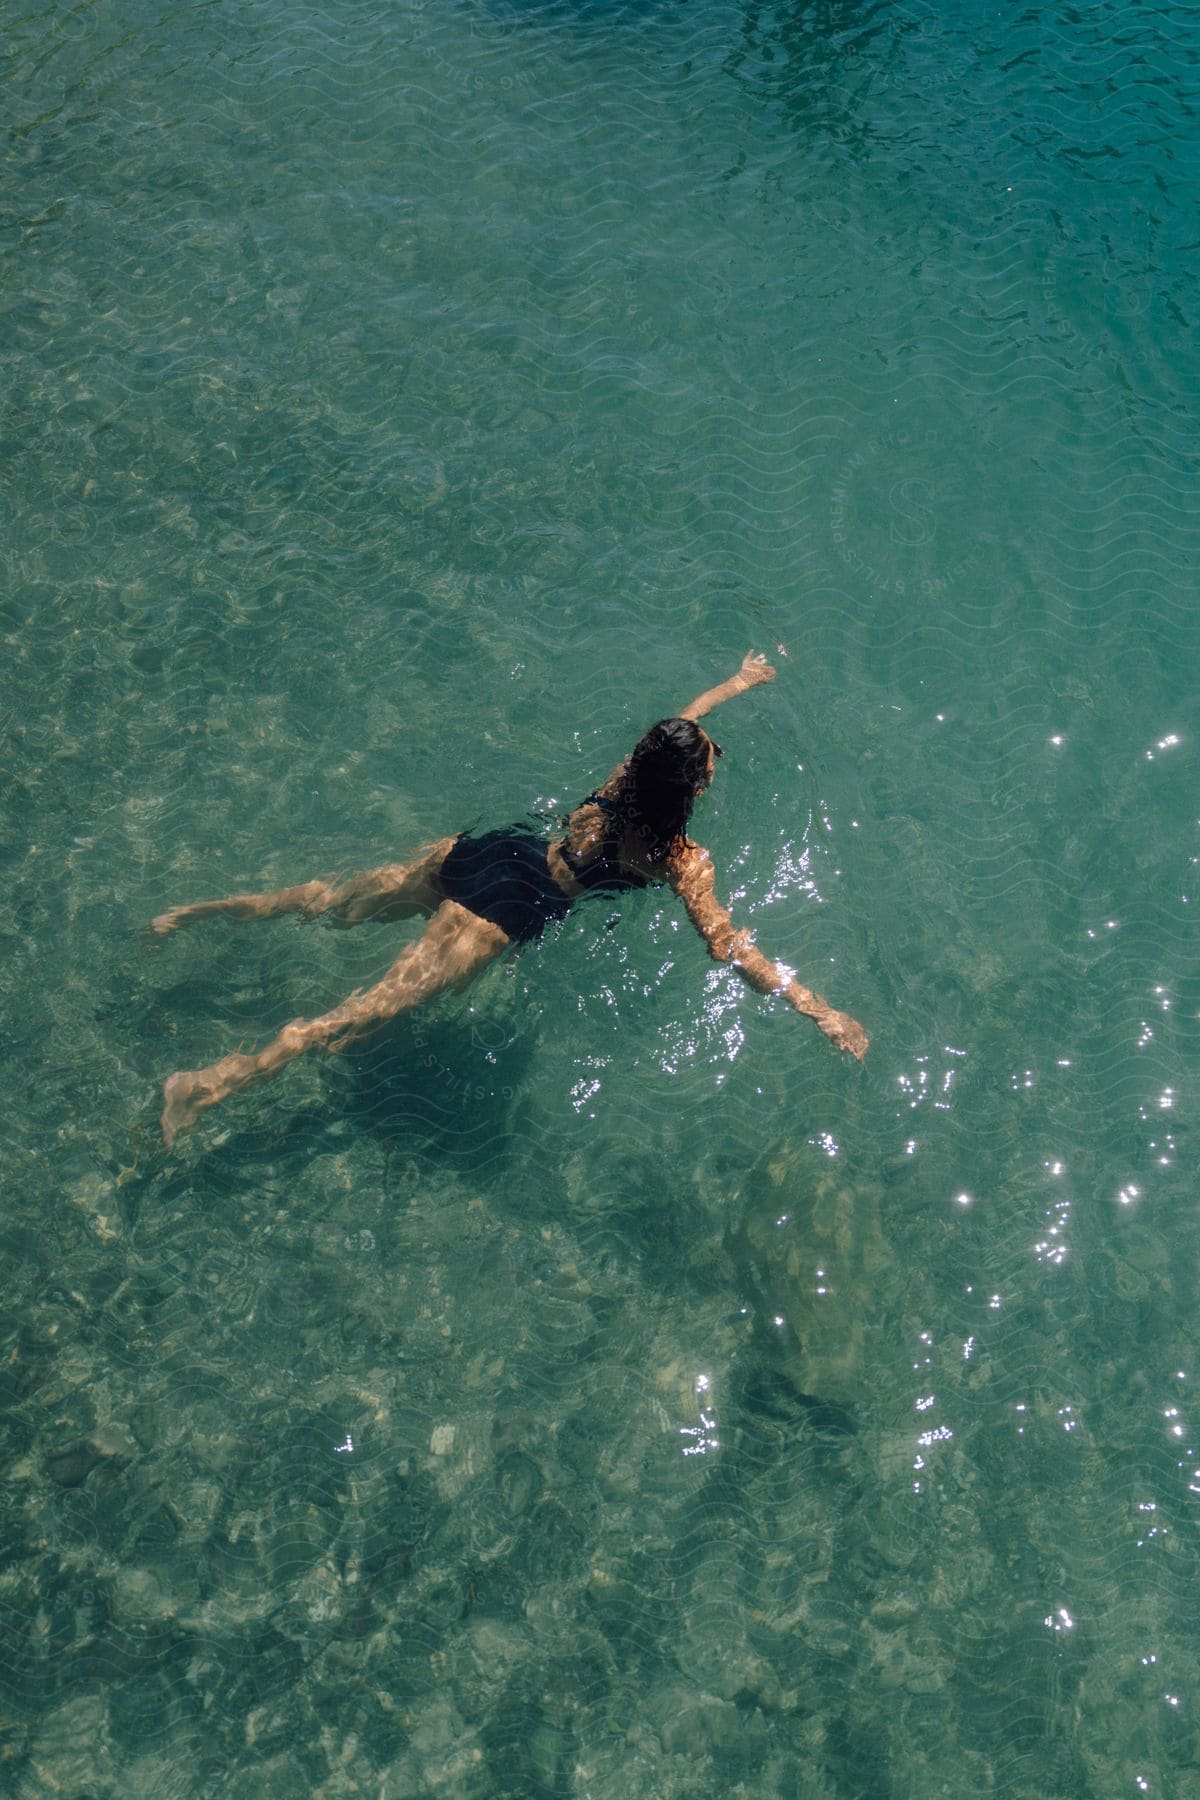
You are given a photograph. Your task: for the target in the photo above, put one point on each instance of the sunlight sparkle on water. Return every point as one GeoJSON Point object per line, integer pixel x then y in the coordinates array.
{"type": "Point", "coordinates": [703, 1435]}
{"type": "Point", "coordinates": [793, 874]}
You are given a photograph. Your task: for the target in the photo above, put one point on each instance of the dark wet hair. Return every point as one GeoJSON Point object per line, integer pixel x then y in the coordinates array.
{"type": "Point", "coordinates": [667, 768]}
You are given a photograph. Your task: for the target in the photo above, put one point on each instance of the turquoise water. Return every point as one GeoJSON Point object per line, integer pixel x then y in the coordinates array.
{"type": "Point", "coordinates": [597, 1388]}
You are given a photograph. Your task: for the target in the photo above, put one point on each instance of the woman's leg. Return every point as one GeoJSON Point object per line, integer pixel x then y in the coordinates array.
{"type": "Point", "coordinates": [454, 947]}
{"type": "Point", "coordinates": [395, 891]}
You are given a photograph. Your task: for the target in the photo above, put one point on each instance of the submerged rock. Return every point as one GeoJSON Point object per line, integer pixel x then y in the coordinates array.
{"type": "Point", "coordinates": [71, 1464]}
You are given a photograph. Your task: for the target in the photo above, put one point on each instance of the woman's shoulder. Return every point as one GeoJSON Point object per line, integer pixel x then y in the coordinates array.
{"type": "Point", "coordinates": [610, 789]}
{"type": "Point", "coordinates": [595, 815]}
{"type": "Point", "coordinates": [587, 825]}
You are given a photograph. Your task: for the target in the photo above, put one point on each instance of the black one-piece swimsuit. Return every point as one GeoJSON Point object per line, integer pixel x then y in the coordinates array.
{"type": "Point", "coordinates": [504, 876]}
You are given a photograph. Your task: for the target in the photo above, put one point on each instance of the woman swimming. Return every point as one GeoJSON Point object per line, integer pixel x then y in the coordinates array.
{"type": "Point", "coordinates": [482, 894]}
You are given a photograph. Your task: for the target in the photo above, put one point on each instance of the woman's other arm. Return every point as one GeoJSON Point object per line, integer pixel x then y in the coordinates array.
{"type": "Point", "coordinates": [692, 878]}
{"type": "Point", "coordinates": [754, 670]}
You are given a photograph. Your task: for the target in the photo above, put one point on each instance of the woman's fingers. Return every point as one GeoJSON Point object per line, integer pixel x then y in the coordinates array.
{"type": "Point", "coordinates": [756, 666]}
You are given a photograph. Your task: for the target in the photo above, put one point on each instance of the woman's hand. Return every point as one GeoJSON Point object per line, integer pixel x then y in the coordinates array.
{"type": "Point", "coordinates": [845, 1032]}
{"type": "Point", "coordinates": [755, 668]}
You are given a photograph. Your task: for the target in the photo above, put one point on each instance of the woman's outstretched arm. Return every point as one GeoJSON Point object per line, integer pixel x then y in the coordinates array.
{"type": "Point", "coordinates": [692, 878]}
{"type": "Point", "coordinates": [755, 669]}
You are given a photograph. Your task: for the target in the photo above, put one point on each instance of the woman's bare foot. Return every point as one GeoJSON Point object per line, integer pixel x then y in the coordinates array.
{"type": "Point", "coordinates": [184, 1096]}
{"type": "Point", "coordinates": [170, 921]}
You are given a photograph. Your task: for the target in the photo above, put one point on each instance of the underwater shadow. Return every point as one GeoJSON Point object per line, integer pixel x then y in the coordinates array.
{"type": "Point", "coordinates": [438, 1088]}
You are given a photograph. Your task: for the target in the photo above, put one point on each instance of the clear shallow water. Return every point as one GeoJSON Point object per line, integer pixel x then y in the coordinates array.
{"type": "Point", "coordinates": [598, 1389]}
